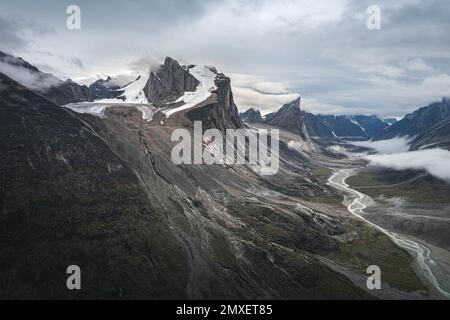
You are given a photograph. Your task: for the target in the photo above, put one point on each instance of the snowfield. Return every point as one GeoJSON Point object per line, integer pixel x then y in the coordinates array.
{"type": "Point", "coordinates": [98, 108]}
{"type": "Point", "coordinates": [133, 96]}
{"type": "Point", "coordinates": [206, 78]}
{"type": "Point", "coordinates": [132, 93]}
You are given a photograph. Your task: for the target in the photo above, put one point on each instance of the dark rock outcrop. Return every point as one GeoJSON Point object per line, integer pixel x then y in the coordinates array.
{"type": "Point", "coordinates": [221, 111]}
{"type": "Point", "coordinates": [169, 82]}
{"type": "Point", "coordinates": [251, 116]}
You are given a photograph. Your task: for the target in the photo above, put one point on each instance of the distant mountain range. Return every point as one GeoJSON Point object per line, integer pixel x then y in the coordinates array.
{"type": "Point", "coordinates": [428, 127]}
{"type": "Point", "coordinates": [359, 127]}
{"type": "Point", "coordinates": [347, 127]}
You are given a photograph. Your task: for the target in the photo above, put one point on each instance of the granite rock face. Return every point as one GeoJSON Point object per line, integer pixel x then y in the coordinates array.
{"type": "Point", "coordinates": [221, 111]}
{"type": "Point", "coordinates": [169, 82]}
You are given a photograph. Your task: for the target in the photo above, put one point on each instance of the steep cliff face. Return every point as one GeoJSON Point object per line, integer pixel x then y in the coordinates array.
{"type": "Point", "coordinates": [219, 111]}
{"type": "Point", "coordinates": [169, 82]}
{"type": "Point", "coordinates": [289, 117]}
{"type": "Point", "coordinates": [195, 93]}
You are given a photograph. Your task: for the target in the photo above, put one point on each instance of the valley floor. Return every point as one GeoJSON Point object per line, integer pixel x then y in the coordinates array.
{"type": "Point", "coordinates": [404, 218]}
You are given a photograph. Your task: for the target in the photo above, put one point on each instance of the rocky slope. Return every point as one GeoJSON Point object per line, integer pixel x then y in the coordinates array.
{"type": "Point", "coordinates": [428, 126]}
{"type": "Point", "coordinates": [67, 92]}
{"type": "Point", "coordinates": [59, 91]}
{"type": "Point", "coordinates": [67, 198]}
{"type": "Point", "coordinates": [436, 137]}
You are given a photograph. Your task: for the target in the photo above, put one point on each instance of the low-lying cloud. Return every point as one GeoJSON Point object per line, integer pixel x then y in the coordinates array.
{"type": "Point", "coordinates": [33, 80]}
{"type": "Point", "coordinates": [434, 161]}
{"type": "Point", "coordinates": [391, 146]}
{"type": "Point", "coordinates": [395, 154]}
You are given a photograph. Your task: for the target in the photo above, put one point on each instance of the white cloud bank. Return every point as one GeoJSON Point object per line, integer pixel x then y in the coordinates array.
{"type": "Point", "coordinates": [395, 145]}
{"type": "Point", "coordinates": [395, 154]}
{"type": "Point", "coordinates": [434, 161]}
{"type": "Point", "coordinates": [36, 81]}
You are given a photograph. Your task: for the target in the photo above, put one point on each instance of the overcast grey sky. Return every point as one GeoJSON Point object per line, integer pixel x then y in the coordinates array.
{"type": "Point", "coordinates": [272, 50]}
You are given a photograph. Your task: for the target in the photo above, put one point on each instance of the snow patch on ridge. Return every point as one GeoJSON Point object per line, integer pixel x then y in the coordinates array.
{"type": "Point", "coordinates": [358, 124]}
{"type": "Point", "coordinates": [206, 78]}
{"type": "Point", "coordinates": [132, 93]}
{"type": "Point", "coordinates": [133, 97]}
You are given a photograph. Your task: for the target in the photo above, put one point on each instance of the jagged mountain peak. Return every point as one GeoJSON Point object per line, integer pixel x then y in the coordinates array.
{"type": "Point", "coordinates": [169, 82]}
{"type": "Point", "coordinates": [251, 115]}
{"type": "Point", "coordinates": [289, 117]}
